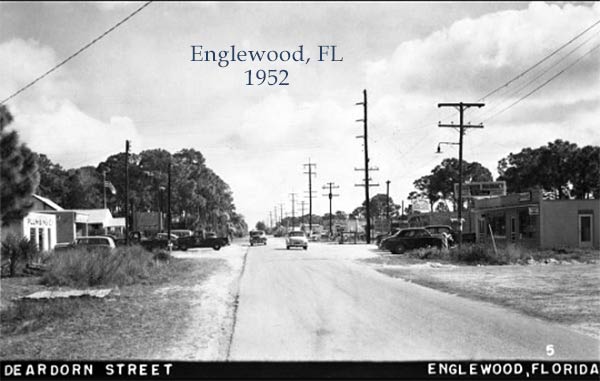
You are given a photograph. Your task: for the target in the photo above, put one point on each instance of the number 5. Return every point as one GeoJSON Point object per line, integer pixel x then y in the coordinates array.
{"type": "Point", "coordinates": [550, 350]}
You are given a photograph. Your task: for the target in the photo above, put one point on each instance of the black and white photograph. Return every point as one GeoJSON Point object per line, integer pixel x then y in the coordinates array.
{"type": "Point", "coordinates": [300, 190]}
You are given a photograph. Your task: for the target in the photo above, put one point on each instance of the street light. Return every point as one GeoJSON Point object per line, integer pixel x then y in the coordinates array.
{"type": "Point", "coordinates": [439, 148]}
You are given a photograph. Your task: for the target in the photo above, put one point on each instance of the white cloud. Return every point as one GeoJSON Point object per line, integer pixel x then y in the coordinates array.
{"type": "Point", "coordinates": [46, 119]}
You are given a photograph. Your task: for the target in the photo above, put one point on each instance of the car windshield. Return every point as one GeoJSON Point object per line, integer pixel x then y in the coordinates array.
{"type": "Point", "coordinates": [256, 233]}
{"type": "Point", "coordinates": [296, 234]}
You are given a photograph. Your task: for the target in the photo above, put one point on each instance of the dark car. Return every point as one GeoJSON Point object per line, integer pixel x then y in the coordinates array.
{"type": "Point", "coordinates": [258, 237]}
{"type": "Point", "coordinates": [412, 238]}
{"type": "Point", "coordinates": [202, 239]}
{"type": "Point", "coordinates": [443, 231]}
{"type": "Point", "coordinates": [379, 238]}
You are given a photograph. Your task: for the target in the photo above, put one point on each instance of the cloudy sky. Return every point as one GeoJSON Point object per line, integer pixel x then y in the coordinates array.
{"type": "Point", "coordinates": [139, 83]}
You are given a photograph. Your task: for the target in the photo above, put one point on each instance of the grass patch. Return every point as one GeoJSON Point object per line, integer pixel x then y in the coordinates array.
{"type": "Point", "coordinates": [481, 254]}
{"type": "Point", "coordinates": [119, 267]}
{"type": "Point", "coordinates": [133, 322]}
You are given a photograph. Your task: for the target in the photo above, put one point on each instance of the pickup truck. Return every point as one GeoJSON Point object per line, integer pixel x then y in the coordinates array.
{"type": "Point", "coordinates": [412, 238]}
{"type": "Point", "coordinates": [201, 239]}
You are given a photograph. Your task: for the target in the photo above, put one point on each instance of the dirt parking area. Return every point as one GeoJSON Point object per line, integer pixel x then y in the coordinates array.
{"type": "Point", "coordinates": [564, 293]}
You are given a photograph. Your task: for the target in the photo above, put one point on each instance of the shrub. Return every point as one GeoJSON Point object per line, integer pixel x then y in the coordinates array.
{"type": "Point", "coordinates": [17, 251]}
{"type": "Point", "coordinates": [476, 254]}
{"type": "Point", "coordinates": [83, 268]}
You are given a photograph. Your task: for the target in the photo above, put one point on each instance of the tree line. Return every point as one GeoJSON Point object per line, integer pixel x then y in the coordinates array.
{"type": "Point", "coordinates": [199, 197]}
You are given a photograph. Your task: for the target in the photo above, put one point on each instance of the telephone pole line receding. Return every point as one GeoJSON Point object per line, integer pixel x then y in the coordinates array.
{"type": "Point", "coordinates": [366, 169]}
{"type": "Point", "coordinates": [293, 209]}
{"type": "Point", "coordinates": [127, 227]}
{"type": "Point", "coordinates": [310, 174]}
{"type": "Point", "coordinates": [302, 203]}
{"type": "Point", "coordinates": [330, 186]}
{"type": "Point", "coordinates": [461, 107]}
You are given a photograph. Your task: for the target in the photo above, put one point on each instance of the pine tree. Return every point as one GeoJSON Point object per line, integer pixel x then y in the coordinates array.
{"type": "Point", "coordinates": [19, 174]}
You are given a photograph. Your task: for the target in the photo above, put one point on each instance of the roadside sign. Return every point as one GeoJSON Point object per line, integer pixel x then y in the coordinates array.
{"type": "Point", "coordinates": [421, 205]}
{"type": "Point", "coordinates": [481, 189]}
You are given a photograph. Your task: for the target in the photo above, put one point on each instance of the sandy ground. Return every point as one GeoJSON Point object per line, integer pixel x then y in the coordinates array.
{"type": "Point", "coordinates": [322, 305]}
{"type": "Point", "coordinates": [207, 336]}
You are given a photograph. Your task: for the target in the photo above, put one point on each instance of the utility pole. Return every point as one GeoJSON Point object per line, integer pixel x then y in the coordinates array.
{"type": "Point", "coordinates": [387, 204]}
{"type": "Point", "coordinates": [169, 207]}
{"type": "Point", "coordinates": [461, 107]}
{"type": "Point", "coordinates": [127, 192]}
{"type": "Point", "coordinates": [330, 186]}
{"type": "Point", "coordinates": [281, 213]}
{"type": "Point", "coordinates": [293, 209]}
{"type": "Point", "coordinates": [104, 186]}
{"type": "Point", "coordinates": [302, 203]}
{"type": "Point", "coordinates": [270, 219]}
{"type": "Point", "coordinates": [310, 173]}
{"type": "Point", "coordinates": [366, 169]}
{"type": "Point", "coordinates": [275, 213]}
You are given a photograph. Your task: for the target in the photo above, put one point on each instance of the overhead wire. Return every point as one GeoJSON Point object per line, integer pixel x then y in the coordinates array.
{"type": "Point", "coordinates": [89, 44]}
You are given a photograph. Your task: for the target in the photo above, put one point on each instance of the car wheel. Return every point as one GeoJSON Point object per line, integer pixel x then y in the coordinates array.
{"type": "Point", "coordinates": [183, 248]}
{"type": "Point", "coordinates": [398, 249]}
{"type": "Point", "coordinates": [305, 247]}
{"type": "Point", "coordinates": [251, 244]}
{"type": "Point", "coordinates": [287, 247]}
{"type": "Point", "coordinates": [216, 247]}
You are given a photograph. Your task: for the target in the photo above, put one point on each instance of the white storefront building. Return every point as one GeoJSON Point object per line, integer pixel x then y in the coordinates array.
{"type": "Point", "coordinates": [38, 227]}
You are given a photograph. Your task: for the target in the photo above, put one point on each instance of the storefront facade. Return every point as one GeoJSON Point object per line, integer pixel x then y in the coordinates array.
{"type": "Point", "coordinates": [529, 220]}
{"type": "Point", "coordinates": [38, 227]}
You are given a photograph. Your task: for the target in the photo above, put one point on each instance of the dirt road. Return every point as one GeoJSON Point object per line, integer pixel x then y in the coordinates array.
{"type": "Point", "coordinates": [321, 305]}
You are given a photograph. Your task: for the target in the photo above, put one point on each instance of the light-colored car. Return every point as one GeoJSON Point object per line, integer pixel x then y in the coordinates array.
{"type": "Point", "coordinates": [89, 243]}
{"type": "Point", "coordinates": [296, 239]}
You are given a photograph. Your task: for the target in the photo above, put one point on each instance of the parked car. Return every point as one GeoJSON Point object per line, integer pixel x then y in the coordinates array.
{"type": "Point", "coordinates": [443, 231]}
{"type": "Point", "coordinates": [102, 243]}
{"type": "Point", "coordinates": [379, 238]}
{"type": "Point", "coordinates": [201, 239]}
{"type": "Point", "coordinates": [412, 238]}
{"type": "Point", "coordinates": [182, 233]}
{"type": "Point", "coordinates": [296, 239]}
{"type": "Point", "coordinates": [258, 237]}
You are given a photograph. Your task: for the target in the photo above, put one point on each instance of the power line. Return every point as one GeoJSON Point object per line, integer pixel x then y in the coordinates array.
{"type": "Point", "coordinates": [539, 62]}
{"type": "Point", "coordinates": [76, 53]}
{"type": "Point", "coordinates": [533, 80]}
{"type": "Point", "coordinates": [545, 83]}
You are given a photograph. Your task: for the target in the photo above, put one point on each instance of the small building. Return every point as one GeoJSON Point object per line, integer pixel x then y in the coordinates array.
{"type": "Point", "coordinates": [69, 223]}
{"type": "Point", "coordinates": [101, 221]}
{"type": "Point", "coordinates": [38, 227]}
{"type": "Point", "coordinates": [529, 220]}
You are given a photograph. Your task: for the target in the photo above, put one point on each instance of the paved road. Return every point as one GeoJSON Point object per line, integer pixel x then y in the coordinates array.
{"type": "Point", "coordinates": [318, 305]}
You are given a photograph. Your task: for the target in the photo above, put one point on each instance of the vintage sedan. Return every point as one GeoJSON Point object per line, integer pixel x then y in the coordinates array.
{"type": "Point", "coordinates": [296, 239]}
{"type": "Point", "coordinates": [258, 237]}
{"type": "Point", "coordinates": [412, 238]}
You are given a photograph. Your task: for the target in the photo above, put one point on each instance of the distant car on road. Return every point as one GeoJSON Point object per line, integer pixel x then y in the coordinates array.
{"type": "Point", "coordinates": [258, 237]}
{"type": "Point", "coordinates": [296, 239]}
{"type": "Point", "coordinates": [412, 238]}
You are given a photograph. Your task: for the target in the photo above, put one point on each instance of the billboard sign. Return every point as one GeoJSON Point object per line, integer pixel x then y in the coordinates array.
{"type": "Point", "coordinates": [421, 205]}
{"type": "Point", "coordinates": [482, 189]}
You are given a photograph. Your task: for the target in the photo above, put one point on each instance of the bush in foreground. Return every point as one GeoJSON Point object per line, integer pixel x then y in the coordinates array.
{"type": "Point", "coordinates": [468, 253]}
{"type": "Point", "coordinates": [16, 252]}
{"type": "Point", "coordinates": [82, 268]}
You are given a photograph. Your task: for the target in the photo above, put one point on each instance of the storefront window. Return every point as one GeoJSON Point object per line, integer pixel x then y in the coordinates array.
{"type": "Point", "coordinates": [41, 238]}
{"type": "Point", "coordinates": [497, 221]}
{"type": "Point", "coordinates": [527, 224]}
{"type": "Point", "coordinates": [32, 235]}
